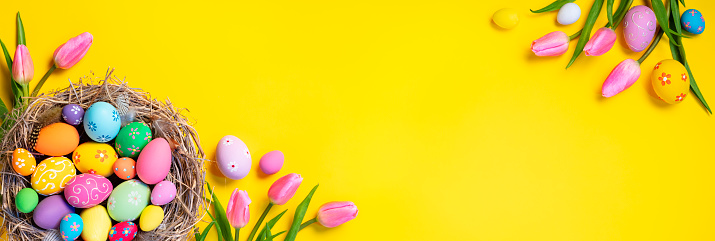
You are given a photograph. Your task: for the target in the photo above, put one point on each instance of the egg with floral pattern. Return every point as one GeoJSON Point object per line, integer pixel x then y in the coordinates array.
{"type": "Point", "coordinates": [87, 190]}
{"type": "Point", "coordinates": [95, 158]}
{"type": "Point", "coordinates": [233, 158]}
{"type": "Point", "coordinates": [124, 168]}
{"type": "Point", "coordinates": [693, 21]}
{"type": "Point", "coordinates": [102, 122]}
{"type": "Point", "coordinates": [671, 81]}
{"type": "Point", "coordinates": [23, 162]}
{"type": "Point", "coordinates": [128, 200]}
{"type": "Point", "coordinates": [73, 114]}
{"type": "Point", "coordinates": [124, 231]}
{"type": "Point", "coordinates": [71, 227]}
{"type": "Point", "coordinates": [52, 175]}
{"type": "Point", "coordinates": [132, 138]}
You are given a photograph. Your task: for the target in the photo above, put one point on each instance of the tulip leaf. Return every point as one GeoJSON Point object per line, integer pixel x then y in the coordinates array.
{"type": "Point", "coordinates": [662, 17]}
{"type": "Point", "coordinates": [299, 214]}
{"type": "Point", "coordinates": [218, 230]}
{"type": "Point", "coordinates": [586, 32]}
{"type": "Point", "coordinates": [694, 87]}
{"type": "Point", "coordinates": [203, 235]}
{"type": "Point", "coordinates": [221, 219]}
{"type": "Point", "coordinates": [20, 31]}
{"type": "Point", "coordinates": [553, 6]}
{"type": "Point", "coordinates": [609, 10]}
{"type": "Point", "coordinates": [675, 23]}
{"type": "Point", "coordinates": [270, 223]}
{"type": "Point", "coordinates": [275, 235]}
{"type": "Point", "coordinates": [16, 89]}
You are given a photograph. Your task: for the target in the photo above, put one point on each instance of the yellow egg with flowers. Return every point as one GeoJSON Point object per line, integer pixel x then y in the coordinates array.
{"type": "Point", "coordinates": [671, 81]}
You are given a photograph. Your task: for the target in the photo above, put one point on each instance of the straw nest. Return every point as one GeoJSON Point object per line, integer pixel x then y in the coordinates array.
{"type": "Point", "coordinates": [187, 170]}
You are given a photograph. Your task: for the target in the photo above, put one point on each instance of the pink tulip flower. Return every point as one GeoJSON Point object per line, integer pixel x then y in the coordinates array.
{"type": "Point", "coordinates": [333, 214]}
{"type": "Point", "coordinates": [238, 212]}
{"type": "Point", "coordinates": [623, 76]}
{"type": "Point", "coordinates": [601, 42]}
{"type": "Point", "coordinates": [71, 52]}
{"type": "Point", "coordinates": [22, 68]}
{"type": "Point", "coordinates": [284, 188]}
{"type": "Point", "coordinates": [552, 44]}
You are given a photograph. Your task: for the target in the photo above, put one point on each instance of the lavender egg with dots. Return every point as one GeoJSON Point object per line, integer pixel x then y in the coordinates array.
{"type": "Point", "coordinates": [73, 114]}
{"type": "Point", "coordinates": [163, 193]}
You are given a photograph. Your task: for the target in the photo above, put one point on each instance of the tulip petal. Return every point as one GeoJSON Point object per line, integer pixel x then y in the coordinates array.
{"type": "Point", "coordinates": [601, 42]}
{"type": "Point", "coordinates": [71, 52]}
{"type": "Point", "coordinates": [621, 78]}
{"type": "Point", "coordinates": [552, 44]}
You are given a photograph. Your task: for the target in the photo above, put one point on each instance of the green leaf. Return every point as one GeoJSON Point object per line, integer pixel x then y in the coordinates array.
{"type": "Point", "coordinates": [203, 235]}
{"type": "Point", "coordinates": [218, 230]}
{"type": "Point", "coordinates": [20, 31]}
{"type": "Point", "coordinates": [221, 220]}
{"type": "Point", "coordinates": [553, 6]}
{"type": "Point", "coordinates": [586, 32]}
{"type": "Point", "coordinates": [623, 7]}
{"type": "Point", "coordinates": [299, 214]}
{"type": "Point", "coordinates": [16, 91]}
{"type": "Point", "coordinates": [675, 23]}
{"type": "Point", "coordinates": [275, 235]}
{"type": "Point", "coordinates": [272, 222]}
{"type": "Point", "coordinates": [662, 17]}
{"type": "Point", "coordinates": [694, 87]}
{"type": "Point", "coordinates": [683, 2]}
{"type": "Point", "coordinates": [609, 10]}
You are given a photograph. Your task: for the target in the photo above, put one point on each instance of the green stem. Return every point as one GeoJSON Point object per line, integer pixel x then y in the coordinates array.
{"type": "Point", "coordinates": [617, 20]}
{"type": "Point", "coordinates": [308, 223]}
{"type": "Point", "coordinates": [260, 221]}
{"type": "Point", "coordinates": [572, 37]}
{"type": "Point", "coordinates": [658, 36]}
{"type": "Point", "coordinates": [236, 238]}
{"type": "Point", "coordinates": [24, 92]}
{"type": "Point", "coordinates": [42, 81]}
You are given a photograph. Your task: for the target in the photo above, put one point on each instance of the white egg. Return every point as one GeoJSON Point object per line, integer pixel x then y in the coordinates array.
{"type": "Point", "coordinates": [568, 14]}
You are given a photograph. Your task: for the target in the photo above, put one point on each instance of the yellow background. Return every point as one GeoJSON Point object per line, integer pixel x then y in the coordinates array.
{"type": "Point", "coordinates": [436, 123]}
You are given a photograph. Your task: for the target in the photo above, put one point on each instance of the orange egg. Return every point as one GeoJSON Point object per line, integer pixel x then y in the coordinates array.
{"type": "Point", "coordinates": [124, 168]}
{"type": "Point", "coordinates": [57, 139]}
{"type": "Point", "coordinates": [23, 162]}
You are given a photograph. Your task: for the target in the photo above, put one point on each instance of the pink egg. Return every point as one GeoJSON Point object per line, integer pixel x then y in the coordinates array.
{"type": "Point", "coordinates": [154, 161]}
{"type": "Point", "coordinates": [124, 231]}
{"type": "Point", "coordinates": [87, 190]}
{"type": "Point", "coordinates": [639, 27]}
{"type": "Point", "coordinates": [233, 157]}
{"type": "Point", "coordinates": [163, 193]}
{"type": "Point", "coordinates": [271, 162]}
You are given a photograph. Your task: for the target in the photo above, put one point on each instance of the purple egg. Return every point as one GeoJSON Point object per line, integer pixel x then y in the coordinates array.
{"type": "Point", "coordinates": [50, 211]}
{"type": "Point", "coordinates": [163, 193]}
{"type": "Point", "coordinates": [72, 114]}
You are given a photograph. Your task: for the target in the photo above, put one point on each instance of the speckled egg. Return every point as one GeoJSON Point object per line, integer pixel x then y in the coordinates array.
{"type": "Point", "coordinates": [124, 231]}
{"type": "Point", "coordinates": [670, 81]}
{"type": "Point", "coordinates": [87, 190]}
{"type": "Point", "coordinates": [102, 122]}
{"type": "Point", "coordinates": [271, 162]}
{"type": "Point", "coordinates": [52, 175]}
{"type": "Point", "coordinates": [26, 200]}
{"type": "Point", "coordinates": [57, 139]}
{"type": "Point", "coordinates": [96, 223]}
{"type": "Point", "coordinates": [132, 138]}
{"type": "Point", "coordinates": [71, 227]}
{"type": "Point", "coordinates": [50, 211]}
{"type": "Point", "coordinates": [128, 200]}
{"type": "Point", "coordinates": [73, 114]}
{"type": "Point", "coordinates": [233, 157]}
{"type": "Point", "coordinates": [23, 162]}
{"type": "Point", "coordinates": [693, 21]}
{"type": "Point", "coordinates": [151, 218]}
{"type": "Point", "coordinates": [639, 27]}
{"type": "Point", "coordinates": [95, 158]}
{"type": "Point", "coordinates": [163, 193]}
{"type": "Point", "coordinates": [154, 161]}
{"type": "Point", "coordinates": [124, 168]}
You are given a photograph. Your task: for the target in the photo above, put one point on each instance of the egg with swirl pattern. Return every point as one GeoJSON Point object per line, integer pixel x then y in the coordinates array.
{"type": "Point", "coordinates": [52, 175]}
{"type": "Point", "coordinates": [639, 27]}
{"type": "Point", "coordinates": [87, 190]}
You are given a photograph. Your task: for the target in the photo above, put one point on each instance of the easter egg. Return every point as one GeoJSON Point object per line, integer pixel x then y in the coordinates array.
{"type": "Point", "coordinates": [128, 200]}
{"type": "Point", "coordinates": [71, 227]}
{"type": "Point", "coordinates": [73, 114]}
{"type": "Point", "coordinates": [95, 158]}
{"type": "Point", "coordinates": [132, 138]}
{"type": "Point", "coordinates": [26, 200]}
{"type": "Point", "coordinates": [96, 223]}
{"type": "Point", "coordinates": [57, 139]}
{"type": "Point", "coordinates": [693, 21]}
{"type": "Point", "coordinates": [506, 18]}
{"type": "Point", "coordinates": [568, 14]}
{"type": "Point", "coordinates": [233, 157]}
{"type": "Point", "coordinates": [163, 193]}
{"type": "Point", "coordinates": [639, 27]}
{"type": "Point", "coordinates": [151, 217]}
{"type": "Point", "coordinates": [87, 190]}
{"type": "Point", "coordinates": [124, 231]}
{"type": "Point", "coordinates": [154, 161]}
{"type": "Point", "coordinates": [124, 168]}
{"type": "Point", "coordinates": [50, 211]}
{"type": "Point", "coordinates": [23, 162]}
{"type": "Point", "coordinates": [102, 122]}
{"type": "Point", "coordinates": [52, 175]}
{"type": "Point", "coordinates": [670, 81]}
{"type": "Point", "coordinates": [271, 162]}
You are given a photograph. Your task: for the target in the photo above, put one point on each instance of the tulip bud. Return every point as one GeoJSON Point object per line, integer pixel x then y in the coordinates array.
{"type": "Point", "coordinates": [237, 211]}
{"type": "Point", "coordinates": [552, 44]}
{"type": "Point", "coordinates": [333, 214]}
{"type": "Point", "coordinates": [623, 76]}
{"type": "Point", "coordinates": [284, 188]}
{"type": "Point", "coordinates": [601, 42]}
{"type": "Point", "coordinates": [71, 52]}
{"type": "Point", "coordinates": [22, 68]}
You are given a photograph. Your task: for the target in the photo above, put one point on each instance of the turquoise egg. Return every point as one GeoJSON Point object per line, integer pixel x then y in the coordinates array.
{"type": "Point", "coordinates": [132, 138]}
{"type": "Point", "coordinates": [102, 122]}
{"type": "Point", "coordinates": [128, 200]}
{"type": "Point", "coordinates": [71, 227]}
{"type": "Point", "coordinates": [693, 21]}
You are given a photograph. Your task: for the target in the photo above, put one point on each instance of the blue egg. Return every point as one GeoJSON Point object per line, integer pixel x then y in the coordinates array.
{"type": "Point", "coordinates": [693, 21]}
{"type": "Point", "coordinates": [71, 227]}
{"type": "Point", "coordinates": [101, 122]}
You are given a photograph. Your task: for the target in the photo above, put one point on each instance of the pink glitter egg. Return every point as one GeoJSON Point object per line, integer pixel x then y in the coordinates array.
{"type": "Point", "coordinates": [639, 26]}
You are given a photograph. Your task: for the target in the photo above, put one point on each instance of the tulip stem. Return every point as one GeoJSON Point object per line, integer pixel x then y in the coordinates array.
{"type": "Point", "coordinates": [236, 238]}
{"type": "Point", "coordinates": [42, 81]}
{"type": "Point", "coordinates": [260, 221]}
{"type": "Point", "coordinates": [308, 223]}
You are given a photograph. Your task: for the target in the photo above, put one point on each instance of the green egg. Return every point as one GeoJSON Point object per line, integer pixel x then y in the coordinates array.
{"type": "Point", "coordinates": [132, 138]}
{"type": "Point", "coordinates": [128, 200]}
{"type": "Point", "coordinates": [26, 200]}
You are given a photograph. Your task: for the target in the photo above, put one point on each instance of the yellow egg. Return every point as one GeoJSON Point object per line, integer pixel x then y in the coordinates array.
{"type": "Point", "coordinates": [670, 81]}
{"type": "Point", "coordinates": [95, 158]}
{"type": "Point", "coordinates": [52, 175]}
{"type": "Point", "coordinates": [151, 217]}
{"type": "Point", "coordinates": [96, 223]}
{"type": "Point", "coordinates": [23, 162]}
{"type": "Point", "coordinates": [506, 18]}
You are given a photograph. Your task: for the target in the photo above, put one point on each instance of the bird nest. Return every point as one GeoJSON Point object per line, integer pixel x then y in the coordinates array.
{"type": "Point", "coordinates": [187, 169]}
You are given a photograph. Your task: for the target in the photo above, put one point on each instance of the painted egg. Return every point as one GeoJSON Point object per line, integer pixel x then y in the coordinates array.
{"type": "Point", "coordinates": [670, 81]}
{"type": "Point", "coordinates": [163, 193]}
{"type": "Point", "coordinates": [568, 14]}
{"type": "Point", "coordinates": [71, 227]}
{"type": "Point", "coordinates": [128, 200]}
{"type": "Point", "coordinates": [639, 27]}
{"type": "Point", "coordinates": [26, 200]}
{"type": "Point", "coordinates": [506, 18]}
{"type": "Point", "coordinates": [233, 157]}
{"type": "Point", "coordinates": [23, 162]}
{"type": "Point", "coordinates": [57, 139]}
{"type": "Point", "coordinates": [102, 122]}
{"type": "Point", "coordinates": [96, 223]}
{"type": "Point", "coordinates": [124, 168]}
{"type": "Point", "coordinates": [154, 161]}
{"type": "Point", "coordinates": [52, 175]}
{"type": "Point", "coordinates": [95, 158]}
{"type": "Point", "coordinates": [693, 21]}
{"type": "Point", "coordinates": [124, 231]}
{"type": "Point", "coordinates": [271, 162]}
{"type": "Point", "coordinates": [73, 114]}
{"type": "Point", "coordinates": [50, 211]}
{"type": "Point", "coordinates": [87, 190]}
{"type": "Point", "coordinates": [151, 218]}
{"type": "Point", "coordinates": [132, 139]}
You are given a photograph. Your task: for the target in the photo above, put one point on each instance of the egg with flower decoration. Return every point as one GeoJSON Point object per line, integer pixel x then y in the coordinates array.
{"type": "Point", "coordinates": [132, 138]}
{"type": "Point", "coordinates": [124, 231]}
{"type": "Point", "coordinates": [71, 226]}
{"type": "Point", "coordinates": [95, 158]}
{"type": "Point", "coordinates": [670, 81]}
{"type": "Point", "coordinates": [102, 122]}
{"type": "Point", "coordinates": [693, 21]}
{"type": "Point", "coordinates": [23, 162]}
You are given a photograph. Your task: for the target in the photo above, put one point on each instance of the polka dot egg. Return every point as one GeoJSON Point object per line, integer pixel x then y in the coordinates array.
{"type": "Point", "coordinates": [23, 162]}
{"type": "Point", "coordinates": [670, 81]}
{"type": "Point", "coordinates": [163, 193]}
{"type": "Point", "coordinates": [124, 168]}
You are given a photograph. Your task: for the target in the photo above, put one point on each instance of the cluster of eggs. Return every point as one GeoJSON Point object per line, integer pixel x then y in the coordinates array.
{"type": "Point", "coordinates": [234, 159]}
{"type": "Point", "coordinates": [92, 191]}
